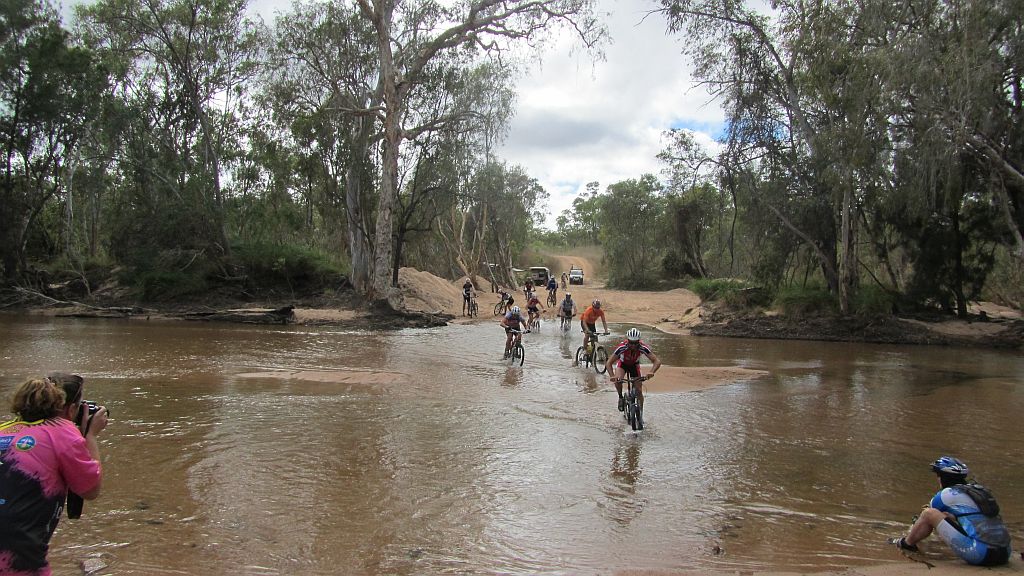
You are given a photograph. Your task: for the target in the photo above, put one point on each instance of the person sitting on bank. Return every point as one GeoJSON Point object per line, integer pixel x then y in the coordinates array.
{"type": "Point", "coordinates": [43, 455]}
{"type": "Point", "coordinates": [965, 515]}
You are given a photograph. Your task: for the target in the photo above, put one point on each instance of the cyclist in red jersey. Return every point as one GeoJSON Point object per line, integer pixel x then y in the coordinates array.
{"type": "Point", "coordinates": [625, 360]}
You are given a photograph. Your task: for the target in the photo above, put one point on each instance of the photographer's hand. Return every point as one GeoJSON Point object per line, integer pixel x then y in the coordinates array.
{"type": "Point", "coordinates": [97, 423]}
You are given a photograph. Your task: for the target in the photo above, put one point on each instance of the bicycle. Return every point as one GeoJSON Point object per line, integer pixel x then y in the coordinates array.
{"type": "Point", "coordinates": [534, 324]}
{"type": "Point", "coordinates": [594, 354]}
{"type": "Point", "coordinates": [517, 353]}
{"type": "Point", "coordinates": [473, 308]}
{"type": "Point", "coordinates": [552, 298]}
{"type": "Point", "coordinates": [502, 306]}
{"type": "Point", "coordinates": [633, 412]}
{"type": "Point", "coordinates": [566, 324]}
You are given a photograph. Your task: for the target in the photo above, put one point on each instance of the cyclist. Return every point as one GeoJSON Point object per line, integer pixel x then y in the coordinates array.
{"type": "Point", "coordinates": [528, 288]}
{"type": "Point", "coordinates": [564, 278]}
{"type": "Point", "coordinates": [506, 299]}
{"type": "Point", "coordinates": [625, 361]}
{"type": "Point", "coordinates": [588, 321]}
{"type": "Point", "coordinates": [467, 293]}
{"type": "Point", "coordinates": [513, 320]}
{"type": "Point", "coordinates": [533, 307]}
{"type": "Point", "coordinates": [964, 515]}
{"type": "Point", "coordinates": [567, 309]}
{"type": "Point", "coordinates": [553, 289]}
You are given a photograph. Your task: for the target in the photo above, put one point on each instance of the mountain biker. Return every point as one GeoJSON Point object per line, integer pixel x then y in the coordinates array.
{"type": "Point", "coordinates": [506, 298]}
{"type": "Point", "coordinates": [565, 278]}
{"type": "Point", "coordinates": [625, 360]}
{"type": "Point", "coordinates": [588, 320]}
{"type": "Point", "coordinates": [553, 288]}
{"type": "Point", "coordinates": [532, 307]}
{"type": "Point", "coordinates": [467, 292]}
{"type": "Point", "coordinates": [528, 288]}
{"type": "Point", "coordinates": [513, 320]}
{"type": "Point", "coordinates": [567, 309]}
{"type": "Point", "coordinates": [964, 515]}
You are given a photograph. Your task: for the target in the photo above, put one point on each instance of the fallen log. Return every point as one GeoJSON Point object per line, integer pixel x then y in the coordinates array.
{"type": "Point", "coordinates": [283, 315]}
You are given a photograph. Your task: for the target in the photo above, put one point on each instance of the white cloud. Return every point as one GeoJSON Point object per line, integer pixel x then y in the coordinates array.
{"type": "Point", "coordinates": [579, 121]}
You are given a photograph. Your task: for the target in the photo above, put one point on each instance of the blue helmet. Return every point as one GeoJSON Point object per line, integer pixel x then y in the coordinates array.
{"type": "Point", "coordinates": [950, 465]}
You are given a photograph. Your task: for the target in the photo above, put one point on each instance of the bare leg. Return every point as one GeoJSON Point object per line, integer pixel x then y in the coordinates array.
{"type": "Point", "coordinates": [925, 525]}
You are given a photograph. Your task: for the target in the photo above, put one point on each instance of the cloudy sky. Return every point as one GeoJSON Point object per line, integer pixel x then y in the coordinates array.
{"type": "Point", "coordinates": [580, 121]}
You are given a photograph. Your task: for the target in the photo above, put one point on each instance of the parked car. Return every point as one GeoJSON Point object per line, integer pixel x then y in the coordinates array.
{"type": "Point", "coordinates": [576, 275]}
{"type": "Point", "coordinates": [539, 275]}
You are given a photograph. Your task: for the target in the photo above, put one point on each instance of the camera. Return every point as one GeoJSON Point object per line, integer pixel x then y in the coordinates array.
{"type": "Point", "coordinates": [88, 408]}
{"type": "Point", "coordinates": [86, 411]}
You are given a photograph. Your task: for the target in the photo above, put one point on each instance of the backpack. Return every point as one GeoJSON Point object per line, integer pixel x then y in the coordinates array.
{"type": "Point", "coordinates": [982, 497]}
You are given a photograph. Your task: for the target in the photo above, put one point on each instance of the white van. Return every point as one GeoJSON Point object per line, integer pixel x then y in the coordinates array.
{"type": "Point", "coordinates": [539, 275]}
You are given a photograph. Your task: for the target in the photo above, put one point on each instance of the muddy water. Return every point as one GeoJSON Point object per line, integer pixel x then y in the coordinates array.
{"type": "Point", "coordinates": [252, 450]}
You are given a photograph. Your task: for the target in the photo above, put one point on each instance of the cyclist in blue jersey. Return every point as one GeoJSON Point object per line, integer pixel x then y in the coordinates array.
{"type": "Point", "coordinates": [964, 515]}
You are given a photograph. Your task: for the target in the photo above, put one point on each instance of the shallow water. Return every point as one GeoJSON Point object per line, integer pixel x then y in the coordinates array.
{"type": "Point", "coordinates": [429, 455]}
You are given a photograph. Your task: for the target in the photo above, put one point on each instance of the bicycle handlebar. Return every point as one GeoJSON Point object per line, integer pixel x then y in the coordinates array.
{"type": "Point", "coordinates": [595, 333]}
{"type": "Point", "coordinates": [637, 379]}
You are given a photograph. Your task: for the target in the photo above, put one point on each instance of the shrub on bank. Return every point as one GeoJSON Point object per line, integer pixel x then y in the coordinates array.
{"type": "Point", "coordinates": [727, 290]}
{"type": "Point", "coordinates": [268, 265]}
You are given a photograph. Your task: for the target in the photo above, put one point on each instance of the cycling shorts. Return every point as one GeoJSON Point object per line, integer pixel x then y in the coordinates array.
{"type": "Point", "coordinates": [631, 370]}
{"type": "Point", "coordinates": [591, 327]}
{"type": "Point", "coordinates": [533, 310]}
{"type": "Point", "coordinates": [970, 550]}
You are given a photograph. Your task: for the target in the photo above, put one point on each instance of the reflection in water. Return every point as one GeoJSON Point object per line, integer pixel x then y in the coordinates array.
{"type": "Point", "coordinates": [286, 450]}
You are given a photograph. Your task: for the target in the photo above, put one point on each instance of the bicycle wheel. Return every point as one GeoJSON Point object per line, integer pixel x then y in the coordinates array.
{"type": "Point", "coordinates": [551, 299]}
{"type": "Point", "coordinates": [472, 308]}
{"type": "Point", "coordinates": [600, 360]}
{"type": "Point", "coordinates": [497, 309]}
{"type": "Point", "coordinates": [581, 357]}
{"type": "Point", "coordinates": [518, 354]}
{"type": "Point", "coordinates": [638, 418]}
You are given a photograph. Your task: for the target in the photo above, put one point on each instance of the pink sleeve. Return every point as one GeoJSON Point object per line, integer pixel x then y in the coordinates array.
{"type": "Point", "coordinates": [80, 471]}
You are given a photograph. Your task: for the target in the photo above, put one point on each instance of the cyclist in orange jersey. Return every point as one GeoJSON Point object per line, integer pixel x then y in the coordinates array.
{"type": "Point", "coordinates": [588, 320]}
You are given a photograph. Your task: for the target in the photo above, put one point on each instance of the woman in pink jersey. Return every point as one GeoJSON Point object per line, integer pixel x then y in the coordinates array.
{"type": "Point", "coordinates": [43, 455]}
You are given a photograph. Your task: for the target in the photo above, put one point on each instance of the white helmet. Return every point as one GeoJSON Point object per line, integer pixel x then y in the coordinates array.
{"type": "Point", "coordinates": [633, 335]}
{"type": "Point", "coordinates": [515, 309]}
{"type": "Point", "coordinates": [596, 303]}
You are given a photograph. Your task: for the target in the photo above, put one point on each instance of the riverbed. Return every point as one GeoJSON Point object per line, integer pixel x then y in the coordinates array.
{"type": "Point", "coordinates": [317, 450]}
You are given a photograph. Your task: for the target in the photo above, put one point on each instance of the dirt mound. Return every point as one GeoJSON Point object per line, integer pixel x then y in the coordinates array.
{"type": "Point", "coordinates": [423, 292]}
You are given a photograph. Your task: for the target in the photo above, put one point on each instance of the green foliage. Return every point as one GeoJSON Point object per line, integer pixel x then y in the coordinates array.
{"type": "Point", "coordinates": [805, 301]}
{"type": "Point", "coordinates": [154, 285]}
{"type": "Point", "coordinates": [717, 289]}
{"type": "Point", "coordinates": [632, 219]}
{"type": "Point", "coordinates": [268, 265]}
{"type": "Point", "coordinates": [873, 299]}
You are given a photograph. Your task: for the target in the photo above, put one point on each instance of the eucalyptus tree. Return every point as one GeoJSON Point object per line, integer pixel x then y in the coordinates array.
{"type": "Point", "coordinates": [48, 95]}
{"type": "Point", "coordinates": [182, 66]}
{"type": "Point", "coordinates": [955, 77]}
{"type": "Point", "coordinates": [323, 88]}
{"type": "Point", "coordinates": [803, 110]}
{"type": "Point", "coordinates": [412, 35]}
{"type": "Point", "coordinates": [632, 220]}
{"type": "Point", "coordinates": [579, 224]}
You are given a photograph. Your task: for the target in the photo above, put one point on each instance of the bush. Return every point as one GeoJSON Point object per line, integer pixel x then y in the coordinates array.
{"type": "Point", "coordinates": [723, 289]}
{"type": "Point", "coordinates": [270, 265]}
{"type": "Point", "coordinates": [804, 301]}
{"type": "Point", "coordinates": [873, 299]}
{"type": "Point", "coordinates": [155, 285]}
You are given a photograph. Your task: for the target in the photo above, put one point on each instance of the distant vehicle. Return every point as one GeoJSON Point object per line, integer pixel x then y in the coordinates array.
{"type": "Point", "coordinates": [576, 275]}
{"type": "Point", "coordinates": [539, 275]}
